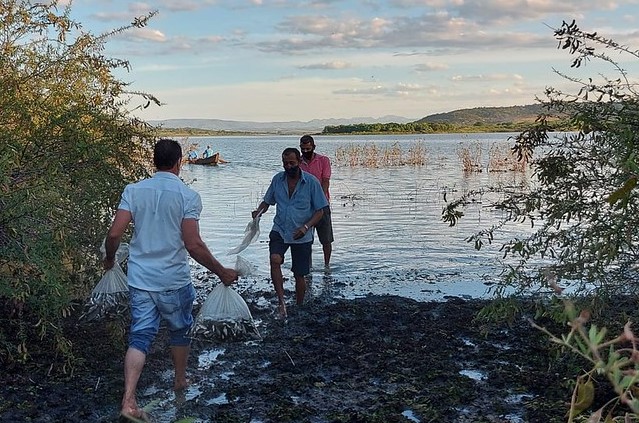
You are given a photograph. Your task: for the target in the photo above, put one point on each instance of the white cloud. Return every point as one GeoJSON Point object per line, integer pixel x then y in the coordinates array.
{"type": "Point", "coordinates": [390, 57]}
{"type": "Point", "coordinates": [486, 78]}
{"type": "Point", "coordinates": [430, 67]}
{"type": "Point", "coordinates": [335, 65]}
{"type": "Point", "coordinates": [147, 34]}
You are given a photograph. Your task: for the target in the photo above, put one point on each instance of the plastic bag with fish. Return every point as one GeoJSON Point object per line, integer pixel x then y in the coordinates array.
{"type": "Point", "coordinates": [120, 255]}
{"type": "Point", "coordinates": [224, 316]}
{"type": "Point", "coordinates": [243, 267]}
{"type": "Point", "coordinates": [110, 297]}
{"type": "Point", "coordinates": [251, 233]}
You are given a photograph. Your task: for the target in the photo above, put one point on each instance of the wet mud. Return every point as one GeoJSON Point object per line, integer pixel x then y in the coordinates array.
{"type": "Point", "coordinates": [371, 359]}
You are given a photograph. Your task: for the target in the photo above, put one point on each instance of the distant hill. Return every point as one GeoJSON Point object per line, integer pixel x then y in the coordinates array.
{"type": "Point", "coordinates": [487, 115]}
{"type": "Point", "coordinates": [291, 127]}
{"type": "Point", "coordinates": [464, 117]}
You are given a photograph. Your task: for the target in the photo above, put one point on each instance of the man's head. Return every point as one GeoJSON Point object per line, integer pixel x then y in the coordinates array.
{"type": "Point", "coordinates": [307, 145]}
{"type": "Point", "coordinates": [166, 154]}
{"type": "Point", "coordinates": [291, 161]}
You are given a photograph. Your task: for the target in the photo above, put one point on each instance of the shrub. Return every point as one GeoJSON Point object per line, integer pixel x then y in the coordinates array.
{"type": "Point", "coordinates": [583, 205]}
{"type": "Point", "coordinates": [67, 148]}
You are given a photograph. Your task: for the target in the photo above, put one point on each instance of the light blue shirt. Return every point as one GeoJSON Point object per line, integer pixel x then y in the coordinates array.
{"type": "Point", "coordinates": [292, 213]}
{"type": "Point", "coordinates": [158, 260]}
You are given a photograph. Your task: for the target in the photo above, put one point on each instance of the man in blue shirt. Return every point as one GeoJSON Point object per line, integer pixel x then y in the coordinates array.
{"type": "Point", "coordinates": [165, 213]}
{"type": "Point", "coordinates": [300, 203]}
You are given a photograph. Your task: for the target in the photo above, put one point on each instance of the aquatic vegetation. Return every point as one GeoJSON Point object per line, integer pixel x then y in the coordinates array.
{"type": "Point", "coordinates": [373, 156]}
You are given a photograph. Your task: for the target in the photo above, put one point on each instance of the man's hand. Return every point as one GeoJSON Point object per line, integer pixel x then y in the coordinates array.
{"type": "Point", "coordinates": [228, 276]}
{"type": "Point", "coordinates": [299, 232]}
{"type": "Point", "coordinates": [108, 264]}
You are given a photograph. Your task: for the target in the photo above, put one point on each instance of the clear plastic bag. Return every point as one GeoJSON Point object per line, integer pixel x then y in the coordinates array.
{"type": "Point", "coordinates": [243, 267]}
{"type": "Point", "coordinates": [120, 255]}
{"type": "Point", "coordinates": [109, 298]}
{"type": "Point", "coordinates": [224, 315]}
{"type": "Point", "coordinates": [251, 234]}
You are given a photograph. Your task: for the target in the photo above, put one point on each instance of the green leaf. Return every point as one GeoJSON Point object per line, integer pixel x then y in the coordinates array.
{"type": "Point", "coordinates": [624, 191]}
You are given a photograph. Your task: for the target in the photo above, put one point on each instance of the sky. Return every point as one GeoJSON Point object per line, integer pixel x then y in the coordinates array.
{"type": "Point", "coordinates": [299, 60]}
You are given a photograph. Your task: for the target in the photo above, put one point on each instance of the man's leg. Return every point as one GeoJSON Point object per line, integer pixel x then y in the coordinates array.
{"type": "Point", "coordinates": [328, 249]}
{"type": "Point", "coordinates": [278, 281]}
{"type": "Point", "coordinates": [133, 364]}
{"type": "Point", "coordinates": [178, 324]}
{"type": "Point", "coordinates": [300, 256]}
{"type": "Point", "coordinates": [324, 230]}
{"type": "Point", "coordinates": [300, 289]}
{"type": "Point", "coordinates": [180, 355]}
{"type": "Point", "coordinates": [145, 322]}
{"type": "Point", "coordinates": [277, 248]}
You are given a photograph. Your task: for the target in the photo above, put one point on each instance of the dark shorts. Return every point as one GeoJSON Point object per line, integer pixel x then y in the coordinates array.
{"type": "Point", "coordinates": [324, 227]}
{"type": "Point", "coordinates": [300, 253]}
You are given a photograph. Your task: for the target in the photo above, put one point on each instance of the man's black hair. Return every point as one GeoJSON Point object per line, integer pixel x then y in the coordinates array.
{"type": "Point", "coordinates": [166, 154]}
{"type": "Point", "coordinates": [293, 150]}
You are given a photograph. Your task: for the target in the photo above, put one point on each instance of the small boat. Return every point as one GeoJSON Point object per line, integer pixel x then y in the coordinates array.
{"type": "Point", "coordinates": [209, 161]}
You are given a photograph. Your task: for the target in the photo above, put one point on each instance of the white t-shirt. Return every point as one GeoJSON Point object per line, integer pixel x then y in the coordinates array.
{"type": "Point", "coordinates": [158, 260]}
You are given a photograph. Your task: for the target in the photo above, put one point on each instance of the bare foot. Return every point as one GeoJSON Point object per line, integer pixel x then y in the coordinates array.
{"type": "Point", "coordinates": [135, 415]}
{"type": "Point", "coordinates": [181, 385]}
{"type": "Point", "coordinates": [282, 310]}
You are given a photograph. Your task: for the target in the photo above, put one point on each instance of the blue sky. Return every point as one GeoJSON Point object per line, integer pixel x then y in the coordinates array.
{"type": "Point", "coordinates": [285, 60]}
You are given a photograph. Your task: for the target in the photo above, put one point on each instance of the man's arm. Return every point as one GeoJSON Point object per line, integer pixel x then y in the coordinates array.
{"type": "Point", "coordinates": [301, 231]}
{"type": "Point", "coordinates": [201, 253]}
{"type": "Point", "coordinates": [326, 175]}
{"type": "Point", "coordinates": [317, 216]}
{"type": "Point", "coordinates": [325, 184]}
{"type": "Point", "coordinates": [261, 209]}
{"type": "Point", "coordinates": [114, 236]}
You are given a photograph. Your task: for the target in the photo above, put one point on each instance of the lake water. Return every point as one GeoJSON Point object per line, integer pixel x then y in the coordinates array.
{"type": "Point", "coordinates": [389, 236]}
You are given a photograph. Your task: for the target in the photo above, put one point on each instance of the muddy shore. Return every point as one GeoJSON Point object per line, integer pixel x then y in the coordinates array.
{"type": "Point", "coordinates": [372, 359]}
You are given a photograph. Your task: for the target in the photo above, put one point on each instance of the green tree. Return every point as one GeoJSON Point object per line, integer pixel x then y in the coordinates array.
{"type": "Point", "coordinates": [583, 205]}
{"type": "Point", "coordinates": [68, 146]}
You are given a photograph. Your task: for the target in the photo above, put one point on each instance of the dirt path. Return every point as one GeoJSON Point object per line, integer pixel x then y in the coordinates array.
{"type": "Point", "coordinates": [374, 359]}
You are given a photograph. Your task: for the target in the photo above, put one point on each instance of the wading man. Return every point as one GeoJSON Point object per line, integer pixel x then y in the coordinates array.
{"type": "Point", "coordinates": [300, 204]}
{"type": "Point", "coordinates": [319, 166]}
{"type": "Point", "coordinates": [165, 213]}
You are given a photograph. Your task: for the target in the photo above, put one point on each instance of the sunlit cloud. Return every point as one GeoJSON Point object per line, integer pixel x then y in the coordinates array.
{"type": "Point", "coordinates": [148, 34]}
{"type": "Point", "coordinates": [431, 67]}
{"type": "Point", "coordinates": [381, 90]}
{"type": "Point", "coordinates": [367, 57]}
{"type": "Point", "coordinates": [336, 65]}
{"type": "Point", "coordinates": [486, 78]}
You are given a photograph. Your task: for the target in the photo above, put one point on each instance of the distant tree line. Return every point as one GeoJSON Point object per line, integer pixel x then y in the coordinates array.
{"type": "Point", "coordinates": [431, 127]}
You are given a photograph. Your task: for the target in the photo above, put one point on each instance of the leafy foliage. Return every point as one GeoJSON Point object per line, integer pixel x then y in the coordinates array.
{"type": "Point", "coordinates": [67, 148]}
{"type": "Point", "coordinates": [606, 390]}
{"type": "Point", "coordinates": [583, 205]}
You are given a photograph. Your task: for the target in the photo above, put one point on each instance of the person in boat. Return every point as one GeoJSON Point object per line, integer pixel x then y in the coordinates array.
{"type": "Point", "coordinates": [207, 153]}
{"type": "Point", "coordinates": [192, 155]}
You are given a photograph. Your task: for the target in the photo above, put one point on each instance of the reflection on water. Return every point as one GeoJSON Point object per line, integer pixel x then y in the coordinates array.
{"type": "Point", "coordinates": [387, 221]}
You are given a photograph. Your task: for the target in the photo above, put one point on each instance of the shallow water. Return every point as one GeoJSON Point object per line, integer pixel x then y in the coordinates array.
{"type": "Point", "coordinates": [389, 236]}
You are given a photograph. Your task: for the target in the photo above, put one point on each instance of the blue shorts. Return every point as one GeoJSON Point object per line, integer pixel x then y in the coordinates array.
{"type": "Point", "coordinates": [300, 253]}
{"type": "Point", "coordinates": [148, 308]}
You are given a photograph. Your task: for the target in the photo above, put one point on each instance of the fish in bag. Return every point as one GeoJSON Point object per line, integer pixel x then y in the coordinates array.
{"type": "Point", "coordinates": [110, 297]}
{"type": "Point", "coordinates": [224, 316]}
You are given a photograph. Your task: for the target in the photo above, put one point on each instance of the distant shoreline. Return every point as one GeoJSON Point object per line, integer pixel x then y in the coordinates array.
{"type": "Point", "coordinates": [191, 132]}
